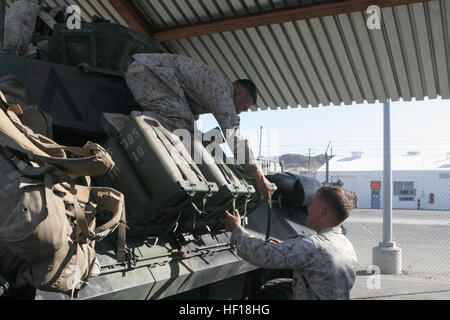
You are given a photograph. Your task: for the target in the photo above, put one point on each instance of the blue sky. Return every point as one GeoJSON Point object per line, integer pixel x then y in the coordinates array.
{"type": "Point", "coordinates": [415, 126]}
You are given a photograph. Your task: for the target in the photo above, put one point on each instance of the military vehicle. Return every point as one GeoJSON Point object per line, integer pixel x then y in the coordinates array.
{"type": "Point", "coordinates": [178, 257]}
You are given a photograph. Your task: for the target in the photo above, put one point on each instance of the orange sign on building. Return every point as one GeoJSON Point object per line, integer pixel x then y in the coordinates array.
{"type": "Point", "coordinates": [375, 184]}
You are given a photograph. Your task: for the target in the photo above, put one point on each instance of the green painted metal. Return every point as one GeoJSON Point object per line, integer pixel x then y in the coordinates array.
{"type": "Point", "coordinates": [178, 189]}
{"type": "Point", "coordinates": [2, 22]}
{"type": "Point", "coordinates": [73, 97]}
{"type": "Point", "coordinates": [152, 158]}
{"type": "Point", "coordinates": [176, 242]}
{"type": "Point", "coordinates": [102, 45]}
{"type": "Point", "coordinates": [124, 177]}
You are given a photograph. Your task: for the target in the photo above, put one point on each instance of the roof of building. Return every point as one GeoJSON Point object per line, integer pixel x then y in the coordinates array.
{"type": "Point", "coordinates": [304, 53]}
{"type": "Point", "coordinates": [407, 162]}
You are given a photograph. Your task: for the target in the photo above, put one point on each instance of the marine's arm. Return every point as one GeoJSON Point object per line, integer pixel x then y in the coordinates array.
{"type": "Point", "coordinates": [262, 184]}
{"type": "Point", "coordinates": [243, 153]}
{"type": "Point", "coordinates": [291, 254]}
{"type": "Point", "coordinates": [213, 90]}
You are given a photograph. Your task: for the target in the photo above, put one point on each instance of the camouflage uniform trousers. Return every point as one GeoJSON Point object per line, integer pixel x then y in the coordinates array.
{"type": "Point", "coordinates": [158, 100]}
{"type": "Point", "coordinates": [20, 21]}
{"type": "Point", "coordinates": [324, 264]}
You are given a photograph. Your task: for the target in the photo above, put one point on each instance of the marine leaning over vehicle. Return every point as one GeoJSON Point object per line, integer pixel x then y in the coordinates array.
{"type": "Point", "coordinates": [175, 89]}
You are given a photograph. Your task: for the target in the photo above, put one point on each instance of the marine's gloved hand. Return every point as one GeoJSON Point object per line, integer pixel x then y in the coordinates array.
{"type": "Point", "coordinates": [232, 221]}
{"type": "Point", "coordinates": [262, 184]}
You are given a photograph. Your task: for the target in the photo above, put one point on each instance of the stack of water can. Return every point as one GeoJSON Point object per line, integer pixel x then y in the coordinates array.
{"type": "Point", "coordinates": [236, 190]}
{"type": "Point", "coordinates": [165, 190]}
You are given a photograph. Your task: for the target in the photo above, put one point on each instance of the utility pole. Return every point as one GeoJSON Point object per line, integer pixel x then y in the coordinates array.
{"type": "Point", "coordinates": [260, 141]}
{"type": "Point", "coordinates": [309, 160]}
{"type": "Point", "coordinates": [327, 164]}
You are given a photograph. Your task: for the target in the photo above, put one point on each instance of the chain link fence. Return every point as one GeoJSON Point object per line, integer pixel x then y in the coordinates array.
{"type": "Point", "coordinates": [420, 202]}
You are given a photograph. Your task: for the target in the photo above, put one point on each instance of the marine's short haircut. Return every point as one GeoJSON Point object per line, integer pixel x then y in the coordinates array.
{"type": "Point", "coordinates": [339, 199]}
{"type": "Point", "coordinates": [250, 87]}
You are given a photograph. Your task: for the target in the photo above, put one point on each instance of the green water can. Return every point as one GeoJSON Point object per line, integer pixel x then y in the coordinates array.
{"type": "Point", "coordinates": [124, 178]}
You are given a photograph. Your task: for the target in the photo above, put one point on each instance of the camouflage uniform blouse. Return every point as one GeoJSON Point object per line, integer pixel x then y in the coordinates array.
{"type": "Point", "coordinates": [324, 264]}
{"type": "Point", "coordinates": [176, 89]}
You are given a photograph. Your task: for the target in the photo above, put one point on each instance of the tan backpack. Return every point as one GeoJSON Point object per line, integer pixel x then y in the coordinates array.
{"type": "Point", "coordinates": [45, 218]}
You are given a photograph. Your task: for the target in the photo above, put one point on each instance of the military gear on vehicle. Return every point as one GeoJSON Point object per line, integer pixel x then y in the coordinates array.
{"type": "Point", "coordinates": [46, 219]}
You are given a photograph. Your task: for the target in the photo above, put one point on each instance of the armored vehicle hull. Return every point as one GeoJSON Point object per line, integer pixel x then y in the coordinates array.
{"type": "Point", "coordinates": [186, 266]}
{"type": "Point", "coordinates": [177, 263]}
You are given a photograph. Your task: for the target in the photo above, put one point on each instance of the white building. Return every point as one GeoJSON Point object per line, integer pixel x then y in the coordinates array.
{"type": "Point", "coordinates": [416, 177]}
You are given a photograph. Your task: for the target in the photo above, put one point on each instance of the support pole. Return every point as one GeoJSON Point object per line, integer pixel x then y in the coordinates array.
{"type": "Point", "coordinates": [387, 180]}
{"type": "Point", "coordinates": [387, 256]}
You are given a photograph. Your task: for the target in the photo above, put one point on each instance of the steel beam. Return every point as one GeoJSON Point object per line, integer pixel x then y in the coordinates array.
{"type": "Point", "coordinates": [293, 13]}
{"type": "Point", "coordinates": [132, 16]}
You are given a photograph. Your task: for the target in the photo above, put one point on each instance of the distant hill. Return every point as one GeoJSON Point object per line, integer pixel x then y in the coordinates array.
{"type": "Point", "coordinates": [297, 163]}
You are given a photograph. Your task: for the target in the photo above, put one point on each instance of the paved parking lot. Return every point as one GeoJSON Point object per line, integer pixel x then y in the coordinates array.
{"type": "Point", "coordinates": [423, 236]}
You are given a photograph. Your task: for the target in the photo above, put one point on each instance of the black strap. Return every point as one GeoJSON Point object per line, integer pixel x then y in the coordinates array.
{"type": "Point", "coordinates": [269, 218]}
{"type": "Point", "coordinates": [3, 105]}
{"type": "Point", "coordinates": [121, 238]}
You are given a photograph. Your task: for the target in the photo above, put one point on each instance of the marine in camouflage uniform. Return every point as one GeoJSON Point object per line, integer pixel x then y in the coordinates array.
{"type": "Point", "coordinates": [175, 90]}
{"type": "Point", "coordinates": [323, 264]}
{"type": "Point", "coordinates": [20, 22]}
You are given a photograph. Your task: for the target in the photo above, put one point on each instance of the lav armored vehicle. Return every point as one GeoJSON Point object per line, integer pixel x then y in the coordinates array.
{"type": "Point", "coordinates": [175, 258]}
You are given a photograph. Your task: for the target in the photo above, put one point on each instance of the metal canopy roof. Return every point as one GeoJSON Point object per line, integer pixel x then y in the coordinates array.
{"type": "Point", "coordinates": [320, 61]}
{"type": "Point", "coordinates": [317, 61]}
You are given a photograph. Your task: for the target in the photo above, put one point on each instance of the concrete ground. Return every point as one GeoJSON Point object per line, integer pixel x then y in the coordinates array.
{"type": "Point", "coordinates": [424, 238]}
{"type": "Point", "coordinates": [398, 287]}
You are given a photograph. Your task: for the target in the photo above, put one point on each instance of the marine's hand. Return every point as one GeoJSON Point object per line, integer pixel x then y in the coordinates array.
{"type": "Point", "coordinates": [263, 185]}
{"type": "Point", "coordinates": [231, 221]}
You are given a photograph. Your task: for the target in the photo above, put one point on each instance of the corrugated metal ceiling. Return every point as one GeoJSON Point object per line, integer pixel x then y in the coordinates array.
{"type": "Point", "coordinates": [313, 62]}
{"type": "Point", "coordinates": [100, 8]}
{"type": "Point", "coordinates": [320, 61]}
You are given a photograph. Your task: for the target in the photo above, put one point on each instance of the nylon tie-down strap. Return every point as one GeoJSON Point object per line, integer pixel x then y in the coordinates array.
{"type": "Point", "coordinates": [269, 218]}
